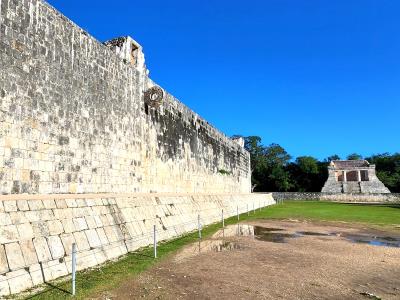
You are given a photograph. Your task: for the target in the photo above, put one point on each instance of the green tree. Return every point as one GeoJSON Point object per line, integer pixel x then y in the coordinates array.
{"type": "Point", "coordinates": [257, 161]}
{"type": "Point", "coordinates": [308, 173]}
{"type": "Point", "coordinates": [387, 169]}
{"type": "Point", "coordinates": [354, 156]}
{"type": "Point", "coordinates": [307, 164]}
{"type": "Point", "coordinates": [267, 165]}
{"type": "Point", "coordinates": [332, 158]}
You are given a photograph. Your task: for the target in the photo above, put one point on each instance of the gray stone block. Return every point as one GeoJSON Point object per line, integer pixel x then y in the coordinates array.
{"type": "Point", "coordinates": [8, 234]}
{"type": "Point", "coordinates": [93, 238]}
{"type": "Point", "coordinates": [14, 256]}
{"type": "Point", "coordinates": [81, 241]}
{"type": "Point", "coordinates": [19, 281]}
{"type": "Point", "coordinates": [42, 249]}
{"type": "Point", "coordinates": [22, 205]}
{"type": "Point", "coordinates": [10, 205]}
{"type": "Point", "coordinates": [4, 288]}
{"type": "Point", "coordinates": [28, 252]}
{"type": "Point", "coordinates": [3, 261]}
{"type": "Point", "coordinates": [67, 240]}
{"type": "Point", "coordinates": [55, 246]}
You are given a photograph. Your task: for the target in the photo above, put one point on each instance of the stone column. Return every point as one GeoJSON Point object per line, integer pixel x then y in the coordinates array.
{"type": "Point", "coordinates": [359, 175]}
{"type": "Point", "coordinates": [344, 176]}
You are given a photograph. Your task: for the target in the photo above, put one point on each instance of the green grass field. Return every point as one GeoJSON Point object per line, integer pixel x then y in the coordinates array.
{"type": "Point", "coordinates": [374, 214]}
{"type": "Point", "coordinates": [112, 274]}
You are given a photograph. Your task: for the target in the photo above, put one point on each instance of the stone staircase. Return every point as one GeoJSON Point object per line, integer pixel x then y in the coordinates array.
{"type": "Point", "coordinates": [351, 187]}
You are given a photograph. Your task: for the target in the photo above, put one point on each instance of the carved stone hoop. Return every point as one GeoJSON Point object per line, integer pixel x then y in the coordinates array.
{"type": "Point", "coordinates": [154, 96]}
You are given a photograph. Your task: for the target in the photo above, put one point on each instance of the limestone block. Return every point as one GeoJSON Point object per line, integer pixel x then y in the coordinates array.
{"type": "Point", "coordinates": [40, 228]}
{"type": "Point", "coordinates": [5, 219]}
{"type": "Point", "coordinates": [3, 261]}
{"type": "Point", "coordinates": [114, 233]}
{"type": "Point", "coordinates": [4, 288]}
{"type": "Point", "coordinates": [35, 204]}
{"type": "Point", "coordinates": [100, 256]}
{"type": "Point", "coordinates": [80, 224]}
{"type": "Point", "coordinates": [102, 236]}
{"type": "Point", "coordinates": [54, 269]}
{"type": "Point", "coordinates": [19, 281]}
{"type": "Point", "coordinates": [111, 220]}
{"type": "Point", "coordinates": [42, 249]}
{"type": "Point", "coordinates": [90, 202]}
{"type": "Point", "coordinates": [14, 256]}
{"type": "Point", "coordinates": [95, 202]}
{"type": "Point", "coordinates": [98, 221]}
{"type": "Point", "coordinates": [46, 215]}
{"type": "Point", "coordinates": [56, 247]}
{"type": "Point", "coordinates": [91, 222]}
{"type": "Point", "coordinates": [132, 231]}
{"type": "Point", "coordinates": [18, 217]}
{"type": "Point", "coordinates": [67, 240]}
{"type": "Point", "coordinates": [68, 263]}
{"type": "Point", "coordinates": [25, 231]}
{"type": "Point", "coordinates": [93, 238]}
{"type": "Point", "coordinates": [80, 202]}
{"type": "Point", "coordinates": [78, 212]}
{"type": "Point", "coordinates": [61, 203]}
{"type": "Point", "coordinates": [28, 252]}
{"type": "Point", "coordinates": [68, 225]}
{"type": "Point", "coordinates": [49, 204]}
{"type": "Point", "coordinates": [55, 227]}
{"type": "Point", "coordinates": [86, 259]}
{"type": "Point", "coordinates": [114, 250]}
{"type": "Point", "coordinates": [36, 274]}
{"type": "Point", "coordinates": [33, 216]}
{"type": "Point", "coordinates": [10, 205]}
{"type": "Point", "coordinates": [71, 203]}
{"type": "Point", "coordinates": [8, 234]}
{"type": "Point", "coordinates": [22, 205]}
{"type": "Point", "coordinates": [81, 241]}
{"type": "Point", "coordinates": [104, 220]}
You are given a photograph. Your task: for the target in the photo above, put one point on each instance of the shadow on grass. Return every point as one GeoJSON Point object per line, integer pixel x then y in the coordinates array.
{"type": "Point", "coordinates": [50, 288]}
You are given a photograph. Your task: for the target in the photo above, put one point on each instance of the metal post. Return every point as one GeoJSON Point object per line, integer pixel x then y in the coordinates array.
{"type": "Point", "coordinates": [237, 212]}
{"type": "Point", "coordinates": [254, 210]}
{"type": "Point", "coordinates": [73, 269]}
{"type": "Point", "coordinates": [155, 240]}
{"type": "Point", "coordinates": [259, 203]}
{"type": "Point", "coordinates": [223, 224]}
{"type": "Point", "coordinates": [248, 212]}
{"type": "Point", "coordinates": [199, 226]}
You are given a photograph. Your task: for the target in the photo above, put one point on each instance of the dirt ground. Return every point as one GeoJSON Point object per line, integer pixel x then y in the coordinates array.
{"type": "Point", "coordinates": [301, 267]}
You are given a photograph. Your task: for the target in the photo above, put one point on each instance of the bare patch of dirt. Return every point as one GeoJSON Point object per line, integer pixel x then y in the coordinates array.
{"type": "Point", "coordinates": [321, 263]}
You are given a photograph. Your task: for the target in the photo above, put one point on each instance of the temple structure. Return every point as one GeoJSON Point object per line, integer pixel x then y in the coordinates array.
{"type": "Point", "coordinates": [353, 177]}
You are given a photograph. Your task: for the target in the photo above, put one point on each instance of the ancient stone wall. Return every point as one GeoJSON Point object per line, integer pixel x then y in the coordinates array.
{"type": "Point", "coordinates": [37, 232]}
{"type": "Point", "coordinates": [73, 118]}
{"type": "Point", "coordinates": [339, 197]}
{"type": "Point", "coordinates": [84, 159]}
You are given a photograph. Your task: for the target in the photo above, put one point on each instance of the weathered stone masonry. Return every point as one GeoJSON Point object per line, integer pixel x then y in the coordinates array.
{"type": "Point", "coordinates": [37, 234]}
{"type": "Point", "coordinates": [85, 159]}
{"type": "Point", "coordinates": [73, 119]}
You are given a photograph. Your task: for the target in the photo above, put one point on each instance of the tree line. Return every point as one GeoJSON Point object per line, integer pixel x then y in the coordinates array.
{"type": "Point", "coordinates": [273, 169]}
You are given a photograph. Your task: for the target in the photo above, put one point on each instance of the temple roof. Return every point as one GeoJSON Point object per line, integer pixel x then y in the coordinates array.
{"type": "Point", "coordinates": [349, 164]}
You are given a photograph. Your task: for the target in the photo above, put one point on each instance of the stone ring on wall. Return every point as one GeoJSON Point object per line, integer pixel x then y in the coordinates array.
{"type": "Point", "coordinates": [154, 96]}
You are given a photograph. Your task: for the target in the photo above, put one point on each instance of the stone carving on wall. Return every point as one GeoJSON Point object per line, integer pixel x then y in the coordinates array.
{"type": "Point", "coordinates": [154, 96]}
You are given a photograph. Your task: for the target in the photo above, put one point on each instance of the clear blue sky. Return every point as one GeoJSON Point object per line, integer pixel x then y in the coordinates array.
{"type": "Point", "coordinates": [317, 77]}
